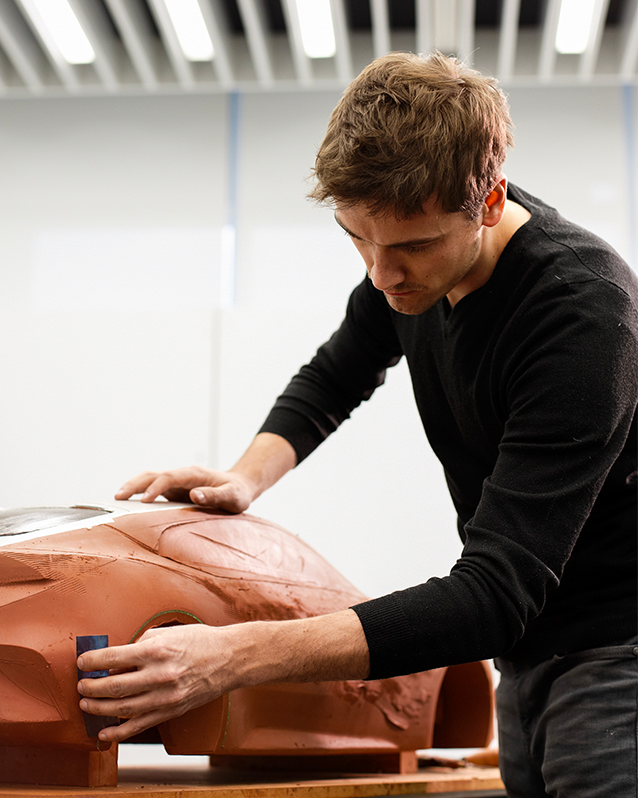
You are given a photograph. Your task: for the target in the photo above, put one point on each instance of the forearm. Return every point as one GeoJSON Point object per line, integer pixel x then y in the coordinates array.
{"type": "Point", "coordinates": [265, 462]}
{"type": "Point", "coordinates": [172, 670]}
{"type": "Point", "coordinates": [324, 648]}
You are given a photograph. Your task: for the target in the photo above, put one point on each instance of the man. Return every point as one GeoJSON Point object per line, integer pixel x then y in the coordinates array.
{"type": "Point", "coordinates": [521, 334]}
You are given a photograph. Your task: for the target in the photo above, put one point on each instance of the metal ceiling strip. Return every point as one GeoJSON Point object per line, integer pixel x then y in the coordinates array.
{"type": "Point", "coordinates": [5, 65]}
{"type": "Point", "coordinates": [21, 48]}
{"type": "Point", "coordinates": [445, 26]}
{"type": "Point", "coordinates": [508, 38]}
{"type": "Point", "coordinates": [547, 59]}
{"type": "Point", "coordinates": [66, 72]}
{"type": "Point", "coordinates": [96, 26]}
{"type": "Point", "coordinates": [627, 71]}
{"type": "Point", "coordinates": [424, 26]}
{"type": "Point", "coordinates": [137, 37]}
{"type": "Point", "coordinates": [181, 65]}
{"type": "Point", "coordinates": [343, 57]}
{"type": "Point", "coordinates": [253, 16]}
{"type": "Point", "coordinates": [219, 32]}
{"type": "Point", "coordinates": [381, 42]}
{"type": "Point", "coordinates": [589, 58]}
{"type": "Point", "coordinates": [465, 13]}
{"type": "Point", "coordinates": [299, 57]}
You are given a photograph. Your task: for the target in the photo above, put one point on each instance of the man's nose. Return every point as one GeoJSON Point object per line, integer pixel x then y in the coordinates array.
{"type": "Point", "coordinates": [386, 270]}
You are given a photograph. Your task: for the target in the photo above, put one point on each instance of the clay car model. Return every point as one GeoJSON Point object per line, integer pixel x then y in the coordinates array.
{"type": "Point", "coordinates": [69, 572]}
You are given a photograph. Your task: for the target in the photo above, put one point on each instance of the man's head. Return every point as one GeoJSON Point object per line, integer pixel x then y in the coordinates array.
{"type": "Point", "coordinates": [408, 129]}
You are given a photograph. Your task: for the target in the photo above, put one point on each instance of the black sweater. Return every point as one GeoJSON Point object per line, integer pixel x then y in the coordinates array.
{"type": "Point", "coordinates": [527, 390]}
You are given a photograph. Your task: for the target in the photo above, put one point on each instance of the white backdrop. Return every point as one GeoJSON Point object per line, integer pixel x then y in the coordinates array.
{"type": "Point", "coordinates": [116, 356]}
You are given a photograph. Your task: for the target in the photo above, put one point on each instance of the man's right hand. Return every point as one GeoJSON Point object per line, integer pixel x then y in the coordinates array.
{"type": "Point", "coordinates": [223, 490]}
{"type": "Point", "coordinates": [265, 461]}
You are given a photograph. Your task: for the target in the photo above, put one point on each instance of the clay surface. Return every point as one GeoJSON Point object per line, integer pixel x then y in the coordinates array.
{"type": "Point", "coordinates": [118, 574]}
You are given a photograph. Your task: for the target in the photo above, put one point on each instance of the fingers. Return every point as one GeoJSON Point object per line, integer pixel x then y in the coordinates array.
{"type": "Point", "coordinates": [140, 713]}
{"type": "Point", "coordinates": [113, 658]}
{"type": "Point", "coordinates": [129, 694]}
{"type": "Point", "coordinates": [177, 495]}
{"type": "Point", "coordinates": [138, 484]}
{"type": "Point", "coordinates": [122, 697]}
{"type": "Point", "coordinates": [117, 734]}
{"type": "Point", "coordinates": [202, 486]}
{"type": "Point", "coordinates": [161, 676]}
{"type": "Point", "coordinates": [114, 695]}
{"type": "Point", "coordinates": [174, 484]}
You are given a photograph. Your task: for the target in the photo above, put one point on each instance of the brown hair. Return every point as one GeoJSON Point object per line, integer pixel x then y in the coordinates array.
{"type": "Point", "coordinates": [409, 128]}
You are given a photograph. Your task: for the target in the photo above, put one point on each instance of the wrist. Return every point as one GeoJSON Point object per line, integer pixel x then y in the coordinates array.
{"type": "Point", "coordinates": [265, 461]}
{"type": "Point", "coordinates": [323, 648]}
{"type": "Point", "coordinates": [247, 485]}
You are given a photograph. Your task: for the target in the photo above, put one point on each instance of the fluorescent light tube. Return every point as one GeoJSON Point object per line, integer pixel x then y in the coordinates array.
{"type": "Point", "coordinates": [65, 30]}
{"type": "Point", "coordinates": [191, 30]}
{"type": "Point", "coordinates": [574, 25]}
{"type": "Point", "coordinates": [317, 31]}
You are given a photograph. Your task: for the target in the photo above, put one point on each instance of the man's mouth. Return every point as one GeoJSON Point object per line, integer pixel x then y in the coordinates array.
{"type": "Point", "coordinates": [399, 293]}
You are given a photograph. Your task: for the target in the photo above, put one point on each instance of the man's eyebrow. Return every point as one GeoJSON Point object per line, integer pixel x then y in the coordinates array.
{"type": "Point", "coordinates": [344, 228]}
{"type": "Point", "coordinates": [412, 243]}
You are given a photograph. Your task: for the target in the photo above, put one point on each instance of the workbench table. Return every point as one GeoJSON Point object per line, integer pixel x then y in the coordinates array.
{"type": "Point", "coordinates": [151, 781]}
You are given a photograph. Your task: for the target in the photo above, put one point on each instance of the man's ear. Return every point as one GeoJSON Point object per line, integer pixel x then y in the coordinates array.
{"type": "Point", "coordinates": [494, 205]}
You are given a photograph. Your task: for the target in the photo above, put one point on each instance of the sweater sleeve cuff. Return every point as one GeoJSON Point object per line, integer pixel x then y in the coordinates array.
{"type": "Point", "coordinates": [386, 628]}
{"type": "Point", "coordinates": [299, 431]}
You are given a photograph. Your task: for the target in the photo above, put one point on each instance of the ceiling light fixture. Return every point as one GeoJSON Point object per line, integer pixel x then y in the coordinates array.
{"type": "Point", "coordinates": [317, 30]}
{"type": "Point", "coordinates": [191, 30]}
{"type": "Point", "coordinates": [574, 25]}
{"type": "Point", "coordinates": [65, 30]}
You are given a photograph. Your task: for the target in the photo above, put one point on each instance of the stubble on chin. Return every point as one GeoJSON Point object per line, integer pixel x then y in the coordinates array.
{"type": "Point", "coordinates": [413, 305]}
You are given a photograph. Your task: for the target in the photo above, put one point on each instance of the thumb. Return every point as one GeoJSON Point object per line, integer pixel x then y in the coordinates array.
{"type": "Point", "coordinates": [223, 497]}
{"type": "Point", "coordinates": [207, 497]}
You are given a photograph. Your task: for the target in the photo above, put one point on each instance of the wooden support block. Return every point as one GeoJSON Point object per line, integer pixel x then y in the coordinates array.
{"type": "Point", "coordinates": [58, 766]}
{"type": "Point", "coordinates": [395, 762]}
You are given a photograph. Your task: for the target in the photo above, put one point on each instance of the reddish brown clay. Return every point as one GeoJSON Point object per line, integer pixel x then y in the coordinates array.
{"type": "Point", "coordinates": [58, 766]}
{"type": "Point", "coordinates": [140, 570]}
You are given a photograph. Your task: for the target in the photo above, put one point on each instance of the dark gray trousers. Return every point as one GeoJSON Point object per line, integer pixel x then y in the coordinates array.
{"type": "Point", "coordinates": [568, 727]}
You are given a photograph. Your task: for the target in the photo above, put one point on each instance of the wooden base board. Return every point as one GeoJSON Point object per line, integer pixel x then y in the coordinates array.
{"type": "Point", "coordinates": [204, 782]}
{"type": "Point", "coordinates": [30, 765]}
{"type": "Point", "coordinates": [400, 762]}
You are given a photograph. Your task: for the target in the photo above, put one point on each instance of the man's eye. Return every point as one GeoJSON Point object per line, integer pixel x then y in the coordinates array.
{"type": "Point", "coordinates": [412, 248]}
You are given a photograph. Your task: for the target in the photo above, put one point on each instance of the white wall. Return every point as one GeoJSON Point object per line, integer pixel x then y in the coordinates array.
{"type": "Point", "coordinates": [572, 151]}
{"type": "Point", "coordinates": [118, 204]}
{"type": "Point", "coordinates": [110, 217]}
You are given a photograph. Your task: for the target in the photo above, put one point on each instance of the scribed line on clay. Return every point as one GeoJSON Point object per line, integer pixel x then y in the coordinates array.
{"type": "Point", "coordinates": [159, 615]}
{"type": "Point", "coordinates": [227, 722]}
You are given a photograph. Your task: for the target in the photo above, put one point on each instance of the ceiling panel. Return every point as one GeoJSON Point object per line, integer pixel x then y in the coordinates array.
{"type": "Point", "coordinates": [258, 45]}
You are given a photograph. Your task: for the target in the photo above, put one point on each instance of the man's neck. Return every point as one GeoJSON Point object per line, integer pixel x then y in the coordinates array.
{"type": "Point", "coordinates": [494, 241]}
